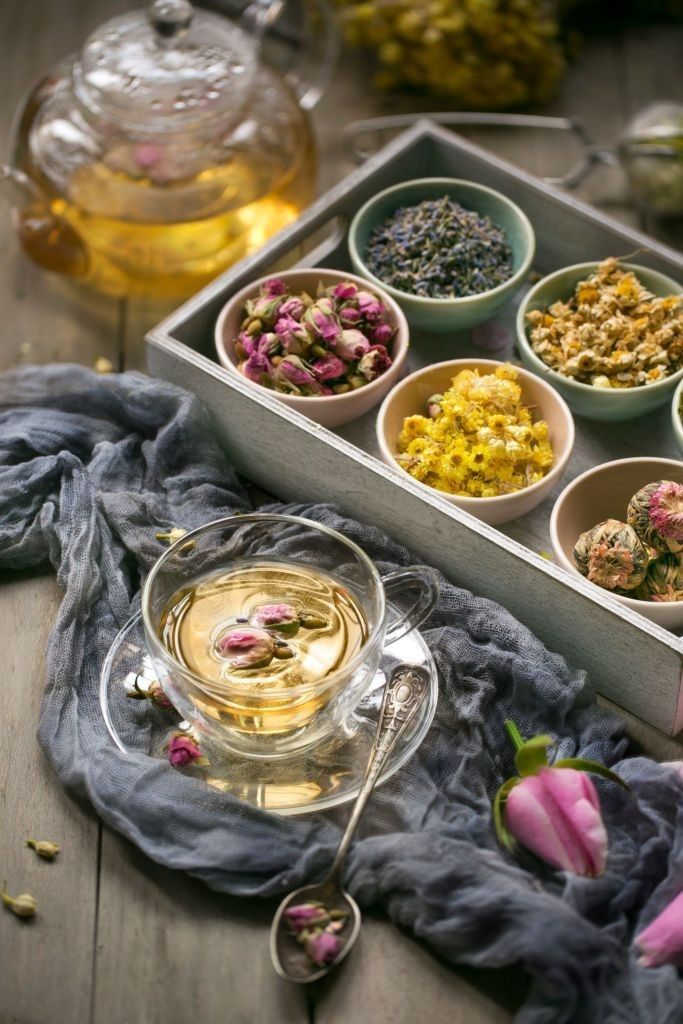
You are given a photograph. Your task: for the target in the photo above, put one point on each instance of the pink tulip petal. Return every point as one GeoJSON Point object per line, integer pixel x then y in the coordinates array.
{"type": "Point", "coordinates": [577, 801]}
{"type": "Point", "coordinates": [662, 941]}
{"type": "Point", "coordinates": [533, 820]}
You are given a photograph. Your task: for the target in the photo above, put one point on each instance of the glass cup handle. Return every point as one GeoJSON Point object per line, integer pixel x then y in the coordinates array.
{"type": "Point", "coordinates": [424, 582]}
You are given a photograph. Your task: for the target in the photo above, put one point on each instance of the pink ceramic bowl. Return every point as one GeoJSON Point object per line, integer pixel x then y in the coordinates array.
{"type": "Point", "coordinates": [410, 397]}
{"type": "Point", "coordinates": [328, 410]}
{"type": "Point", "coordinates": [603, 493]}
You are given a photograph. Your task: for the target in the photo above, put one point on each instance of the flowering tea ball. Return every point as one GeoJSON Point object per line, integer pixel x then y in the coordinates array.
{"type": "Point", "coordinates": [664, 580]}
{"type": "Point", "coordinates": [612, 556]}
{"type": "Point", "coordinates": [656, 514]}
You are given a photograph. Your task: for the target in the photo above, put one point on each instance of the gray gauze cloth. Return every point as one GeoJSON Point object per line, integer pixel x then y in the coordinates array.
{"type": "Point", "coordinates": [91, 467]}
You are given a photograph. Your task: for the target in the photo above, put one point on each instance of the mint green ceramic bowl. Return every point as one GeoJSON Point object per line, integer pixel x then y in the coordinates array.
{"type": "Point", "coordinates": [677, 413]}
{"type": "Point", "coordinates": [447, 314]}
{"type": "Point", "coordinates": [583, 399]}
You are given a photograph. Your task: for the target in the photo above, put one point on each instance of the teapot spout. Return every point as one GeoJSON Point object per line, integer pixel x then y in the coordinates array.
{"type": "Point", "coordinates": [45, 236]}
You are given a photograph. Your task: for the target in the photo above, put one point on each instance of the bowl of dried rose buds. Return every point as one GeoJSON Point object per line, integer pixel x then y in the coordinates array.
{"type": "Point", "coordinates": [608, 336]}
{"type": "Point", "coordinates": [620, 526]}
{"type": "Point", "coordinates": [322, 341]}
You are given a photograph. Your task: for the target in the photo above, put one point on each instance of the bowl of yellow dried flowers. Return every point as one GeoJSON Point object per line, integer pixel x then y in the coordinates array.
{"type": "Point", "coordinates": [620, 525]}
{"type": "Point", "coordinates": [489, 437]}
{"type": "Point", "coordinates": [608, 336]}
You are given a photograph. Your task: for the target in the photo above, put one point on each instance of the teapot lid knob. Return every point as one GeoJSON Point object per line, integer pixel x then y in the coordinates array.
{"type": "Point", "coordinates": [170, 19]}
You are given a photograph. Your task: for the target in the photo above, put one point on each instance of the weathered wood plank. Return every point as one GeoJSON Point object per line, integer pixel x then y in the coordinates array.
{"type": "Point", "coordinates": [392, 979]}
{"type": "Point", "coordinates": [45, 964]}
{"type": "Point", "coordinates": [169, 950]}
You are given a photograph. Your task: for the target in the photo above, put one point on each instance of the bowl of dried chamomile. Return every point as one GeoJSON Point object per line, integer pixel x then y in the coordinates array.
{"type": "Point", "coordinates": [608, 336]}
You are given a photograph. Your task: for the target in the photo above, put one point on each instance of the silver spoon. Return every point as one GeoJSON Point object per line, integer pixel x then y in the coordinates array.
{"type": "Point", "coordinates": [407, 688]}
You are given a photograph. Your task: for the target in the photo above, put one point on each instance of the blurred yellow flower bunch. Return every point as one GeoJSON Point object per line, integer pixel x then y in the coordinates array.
{"type": "Point", "coordinates": [478, 439]}
{"type": "Point", "coordinates": [483, 54]}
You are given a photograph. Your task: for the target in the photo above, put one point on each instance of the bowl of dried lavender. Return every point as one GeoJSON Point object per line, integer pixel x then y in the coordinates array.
{"type": "Point", "coordinates": [608, 336]}
{"type": "Point", "coordinates": [449, 251]}
{"type": "Point", "coordinates": [320, 340]}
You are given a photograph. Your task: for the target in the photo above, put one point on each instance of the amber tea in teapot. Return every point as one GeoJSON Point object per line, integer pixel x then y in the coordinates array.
{"type": "Point", "coordinates": [159, 155]}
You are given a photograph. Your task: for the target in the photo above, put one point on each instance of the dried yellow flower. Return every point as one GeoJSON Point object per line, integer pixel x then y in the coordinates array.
{"type": "Point", "coordinates": [479, 441]}
{"type": "Point", "coordinates": [612, 333]}
{"type": "Point", "coordinates": [103, 365]}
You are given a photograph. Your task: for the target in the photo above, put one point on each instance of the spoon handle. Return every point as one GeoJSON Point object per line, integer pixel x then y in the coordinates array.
{"type": "Point", "coordinates": [407, 687]}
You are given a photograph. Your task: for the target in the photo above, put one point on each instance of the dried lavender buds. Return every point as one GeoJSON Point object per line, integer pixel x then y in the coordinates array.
{"type": "Point", "coordinates": [643, 557]}
{"type": "Point", "coordinates": [331, 345]}
{"type": "Point", "coordinates": [439, 250]}
{"type": "Point", "coordinates": [612, 332]}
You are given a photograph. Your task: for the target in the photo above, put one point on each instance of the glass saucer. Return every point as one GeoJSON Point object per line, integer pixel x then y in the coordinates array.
{"type": "Point", "coordinates": [320, 777]}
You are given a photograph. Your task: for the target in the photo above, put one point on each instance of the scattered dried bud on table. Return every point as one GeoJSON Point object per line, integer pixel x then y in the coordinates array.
{"type": "Point", "coordinates": [44, 848]}
{"type": "Point", "coordinates": [23, 905]}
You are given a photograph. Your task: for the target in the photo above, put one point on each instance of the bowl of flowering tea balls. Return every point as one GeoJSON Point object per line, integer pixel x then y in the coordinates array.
{"type": "Point", "coordinates": [620, 526]}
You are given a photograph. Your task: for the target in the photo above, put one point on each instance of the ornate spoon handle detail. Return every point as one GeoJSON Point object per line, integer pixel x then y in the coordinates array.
{"type": "Point", "coordinates": [407, 688]}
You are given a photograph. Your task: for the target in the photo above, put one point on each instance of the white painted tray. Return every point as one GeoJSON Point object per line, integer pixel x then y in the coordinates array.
{"type": "Point", "coordinates": [630, 660]}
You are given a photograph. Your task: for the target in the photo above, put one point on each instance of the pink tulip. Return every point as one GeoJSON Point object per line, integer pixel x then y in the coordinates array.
{"type": "Point", "coordinates": [323, 948]}
{"type": "Point", "coordinates": [662, 940]}
{"type": "Point", "coordinates": [556, 814]}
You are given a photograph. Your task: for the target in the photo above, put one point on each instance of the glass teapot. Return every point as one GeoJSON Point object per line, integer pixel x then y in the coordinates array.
{"type": "Point", "coordinates": [165, 150]}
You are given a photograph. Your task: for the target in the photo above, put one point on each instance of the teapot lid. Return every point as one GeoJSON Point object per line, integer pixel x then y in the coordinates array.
{"type": "Point", "coordinates": [159, 69]}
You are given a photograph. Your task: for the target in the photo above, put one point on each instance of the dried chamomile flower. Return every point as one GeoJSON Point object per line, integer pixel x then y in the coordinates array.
{"type": "Point", "coordinates": [478, 440]}
{"type": "Point", "coordinates": [612, 556]}
{"type": "Point", "coordinates": [611, 333]}
{"type": "Point", "coordinates": [656, 514]}
{"type": "Point", "coordinates": [23, 905]}
{"type": "Point", "coordinates": [664, 580]}
{"type": "Point", "coordinates": [44, 848]}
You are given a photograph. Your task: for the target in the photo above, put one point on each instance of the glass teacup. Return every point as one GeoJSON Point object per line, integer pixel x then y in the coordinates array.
{"type": "Point", "coordinates": [285, 707]}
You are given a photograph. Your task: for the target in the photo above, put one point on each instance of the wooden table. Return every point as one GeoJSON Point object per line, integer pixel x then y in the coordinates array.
{"type": "Point", "coordinates": [120, 940]}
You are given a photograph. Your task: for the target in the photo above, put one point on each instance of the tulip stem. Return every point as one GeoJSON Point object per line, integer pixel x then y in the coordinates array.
{"type": "Point", "coordinates": [514, 734]}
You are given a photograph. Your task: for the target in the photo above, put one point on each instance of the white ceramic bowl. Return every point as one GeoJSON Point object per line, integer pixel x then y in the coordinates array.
{"type": "Point", "coordinates": [328, 410]}
{"type": "Point", "coordinates": [603, 493]}
{"type": "Point", "coordinates": [584, 399]}
{"type": "Point", "coordinates": [410, 397]}
{"type": "Point", "coordinates": [676, 413]}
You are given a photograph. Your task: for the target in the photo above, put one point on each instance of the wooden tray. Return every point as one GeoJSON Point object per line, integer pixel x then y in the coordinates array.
{"type": "Point", "coordinates": [631, 661]}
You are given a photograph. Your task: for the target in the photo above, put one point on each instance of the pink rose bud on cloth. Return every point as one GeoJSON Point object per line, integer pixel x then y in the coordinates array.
{"type": "Point", "coordinates": [553, 811]}
{"type": "Point", "coordinates": [662, 940]}
{"type": "Point", "coordinates": [183, 751]}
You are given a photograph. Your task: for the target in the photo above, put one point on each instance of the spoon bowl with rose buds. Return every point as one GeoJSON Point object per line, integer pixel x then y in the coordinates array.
{"type": "Point", "coordinates": [315, 926]}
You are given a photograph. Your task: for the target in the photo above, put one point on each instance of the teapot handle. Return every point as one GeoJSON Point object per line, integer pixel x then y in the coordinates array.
{"type": "Point", "coordinates": [319, 46]}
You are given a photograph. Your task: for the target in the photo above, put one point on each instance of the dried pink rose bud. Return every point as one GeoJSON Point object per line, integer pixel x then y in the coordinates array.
{"type": "Point", "coordinates": [183, 751]}
{"type": "Point", "coordinates": [283, 618]}
{"type": "Point", "coordinates": [350, 345]}
{"type": "Point", "coordinates": [369, 305]}
{"type": "Point", "coordinates": [434, 406]}
{"type": "Point", "coordinates": [305, 915]}
{"type": "Point", "coordinates": [294, 372]}
{"type": "Point", "coordinates": [382, 333]}
{"type": "Point", "coordinates": [323, 948]}
{"type": "Point", "coordinates": [375, 362]}
{"type": "Point", "coordinates": [662, 941]}
{"type": "Point", "coordinates": [274, 286]}
{"type": "Point", "coordinates": [257, 367]}
{"type": "Point", "coordinates": [292, 307]}
{"type": "Point", "coordinates": [329, 368]}
{"type": "Point", "coordinates": [322, 318]}
{"type": "Point", "coordinates": [349, 316]}
{"type": "Point", "coordinates": [345, 290]}
{"type": "Point", "coordinates": [156, 694]}
{"type": "Point", "coordinates": [247, 647]}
